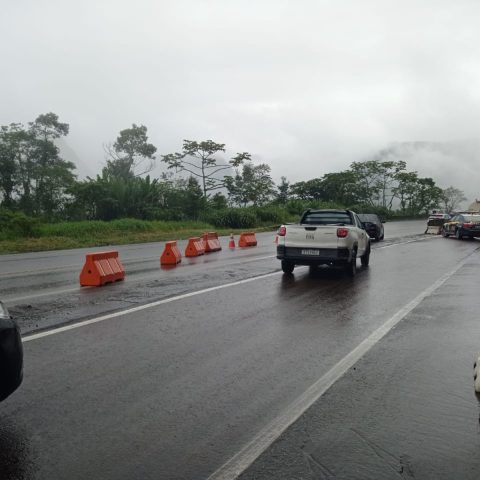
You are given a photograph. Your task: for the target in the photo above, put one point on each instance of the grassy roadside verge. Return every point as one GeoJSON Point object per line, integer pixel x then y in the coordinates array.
{"type": "Point", "coordinates": [69, 235]}
{"type": "Point", "coordinates": [27, 235]}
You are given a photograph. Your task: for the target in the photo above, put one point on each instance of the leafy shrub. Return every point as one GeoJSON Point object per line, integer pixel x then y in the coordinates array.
{"type": "Point", "coordinates": [271, 214]}
{"type": "Point", "coordinates": [17, 224]}
{"type": "Point", "coordinates": [72, 229]}
{"type": "Point", "coordinates": [296, 207]}
{"type": "Point", "coordinates": [172, 215]}
{"type": "Point", "coordinates": [92, 228]}
{"type": "Point", "coordinates": [233, 218]}
{"type": "Point", "coordinates": [131, 225]}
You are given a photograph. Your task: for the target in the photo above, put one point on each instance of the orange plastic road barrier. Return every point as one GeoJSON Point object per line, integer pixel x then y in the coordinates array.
{"type": "Point", "coordinates": [195, 247]}
{"type": "Point", "coordinates": [247, 239]}
{"type": "Point", "coordinates": [212, 244]}
{"type": "Point", "coordinates": [171, 254]}
{"type": "Point", "coordinates": [101, 268]}
{"type": "Point", "coordinates": [231, 242]}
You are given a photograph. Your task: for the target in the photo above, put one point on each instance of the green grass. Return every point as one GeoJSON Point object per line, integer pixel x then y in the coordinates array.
{"type": "Point", "coordinates": [93, 229]}
{"type": "Point", "coordinates": [65, 235]}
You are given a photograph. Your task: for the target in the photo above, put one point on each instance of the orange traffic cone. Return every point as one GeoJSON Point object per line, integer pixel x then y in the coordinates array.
{"type": "Point", "coordinates": [231, 243]}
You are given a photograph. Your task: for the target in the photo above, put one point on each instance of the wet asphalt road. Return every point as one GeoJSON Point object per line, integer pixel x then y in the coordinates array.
{"type": "Point", "coordinates": [42, 289]}
{"type": "Point", "coordinates": [174, 390]}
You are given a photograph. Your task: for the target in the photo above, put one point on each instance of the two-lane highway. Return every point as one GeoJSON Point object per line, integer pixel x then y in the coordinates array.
{"type": "Point", "coordinates": [174, 373]}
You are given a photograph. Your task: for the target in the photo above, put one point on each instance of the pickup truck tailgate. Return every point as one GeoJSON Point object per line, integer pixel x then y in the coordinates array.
{"type": "Point", "coordinates": [308, 236]}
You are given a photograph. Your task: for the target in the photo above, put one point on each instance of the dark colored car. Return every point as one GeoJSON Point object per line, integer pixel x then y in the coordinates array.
{"type": "Point", "coordinates": [11, 354]}
{"type": "Point", "coordinates": [462, 225]}
{"type": "Point", "coordinates": [373, 225]}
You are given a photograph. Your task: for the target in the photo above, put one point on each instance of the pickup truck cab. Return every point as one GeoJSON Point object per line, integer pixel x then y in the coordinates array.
{"type": "Point", "coordinates": [324, 237]}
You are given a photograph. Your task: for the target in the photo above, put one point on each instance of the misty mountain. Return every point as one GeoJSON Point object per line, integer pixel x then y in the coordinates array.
{"type": "Point", "coordinates": [453, 163]}
{"type": "Point", "coordinates": [83, 168]}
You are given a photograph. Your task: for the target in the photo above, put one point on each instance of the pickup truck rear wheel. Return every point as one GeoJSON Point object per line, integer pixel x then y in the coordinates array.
{"type": "Point", "coordinates": [287, 266]}
{"type": "Point", "coordinates": [351, 267]}
{"type": "Point", "coordinates": [365, 258]}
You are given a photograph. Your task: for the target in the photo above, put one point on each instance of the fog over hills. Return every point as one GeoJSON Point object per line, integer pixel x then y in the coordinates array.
{"type": "Point", "coordinates": [449, 163]}
{"type": "Point", "coordinates": [455, 163]}
{"type": "Point", "coordinates": [84, 168]}
{"type": "Point", "coordinates": [306, 87]}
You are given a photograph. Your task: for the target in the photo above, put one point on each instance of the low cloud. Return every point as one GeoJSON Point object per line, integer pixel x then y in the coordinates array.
{"type": "Point", "coordinates": [307, 87]}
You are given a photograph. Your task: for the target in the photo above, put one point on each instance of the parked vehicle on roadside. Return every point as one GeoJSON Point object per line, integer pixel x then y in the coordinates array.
{"type": "Point", "coordinates": [11, 354]}
{"type": "Point", "coordinates": [435, 222]}
{"type": "Point", "coordinates": [373, 225]}
{"type": "Point", "coordinates": [462, 225]}
{"type": "Point", "coordinates": [324, 237]}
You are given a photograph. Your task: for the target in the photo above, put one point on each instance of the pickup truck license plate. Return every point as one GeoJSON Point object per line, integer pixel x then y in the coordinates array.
{"type": "Point", "coordinates": [310, 251]}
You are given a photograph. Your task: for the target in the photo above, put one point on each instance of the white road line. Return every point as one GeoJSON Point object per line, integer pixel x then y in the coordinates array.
{"type": "Point", "coordinates": [40, 271]}
{"type": "Point", "coordinates": [46, 293]}
{"type": "Point", "coordinates": [407, 242]}
{"type": "Point", "coordinates": [245, 457]}
{"type": "Point", "coordinates": [67, 268]}
{"type": "Point", "coordinates": [73, 326]}
{"type": "Point", "coordinates": [15, 300]}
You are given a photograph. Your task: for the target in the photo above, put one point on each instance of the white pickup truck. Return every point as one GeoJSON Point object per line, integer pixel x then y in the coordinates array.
{"type": "Point", "coordinates": [324, 237]}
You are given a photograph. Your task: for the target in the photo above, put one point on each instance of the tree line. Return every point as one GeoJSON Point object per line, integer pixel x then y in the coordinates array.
{"type": "Point", "coordinates": [199, 181]}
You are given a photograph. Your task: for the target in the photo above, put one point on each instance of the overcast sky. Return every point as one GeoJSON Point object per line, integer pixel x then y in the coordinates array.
{"type": "Point", "coordinates": [306, 86]}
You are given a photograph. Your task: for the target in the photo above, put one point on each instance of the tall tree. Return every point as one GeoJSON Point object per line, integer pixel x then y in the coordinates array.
{"type": "Point", "coordinates": [218, 201]}
{"type": "Point", "coordinates": [199, 160]}
{"type": "Point", "coordinates": [52, 175]}
{"type": "Point", "coordinates": [387, 179]}
{"type": "Point", "coordinates": [253, 184]}
{"type": "Point", "coordinates": [283, 190]}
{"type": "Point", "coordinates": [131, 155]}
{"type": "Point", "coordinates": [340, 188]}
{"type": "Point", "coordinates": [426, 196]}
{"type": "Point", "coordinates": [308, 190]}
{"type": "Point", "coordinates": [192, 200]}
{"type": "Point", "coordinates": [365, 174]}
{"type": "Point", "coordinates": [12, 144]}
{"type": "Point", "coordinates": [375, 180]}
{"type": "Point", "coordinates": [405, 189]}
{"type": "Point", "coordinates": [451, 198]}
{"type": "Point", "coordinates": [33, 175]}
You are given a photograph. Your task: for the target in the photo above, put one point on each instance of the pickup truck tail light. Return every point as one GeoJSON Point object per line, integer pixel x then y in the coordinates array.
{"type": "Point", "coordinates": [282, 231]}
{"type": "Point", "coordinates": [342, 232]}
